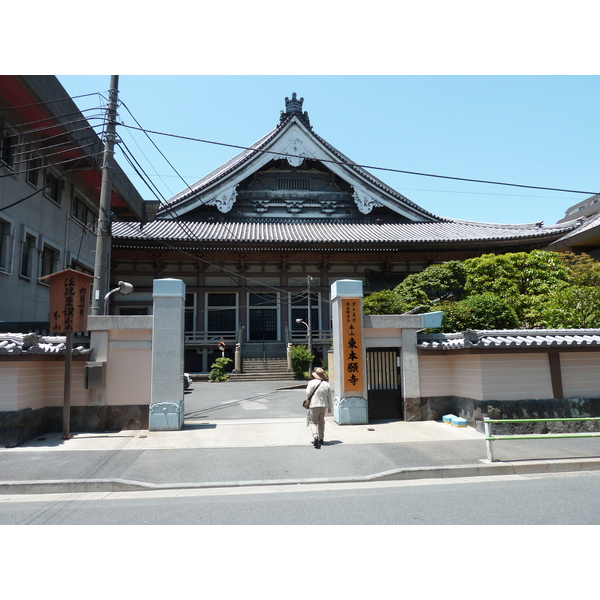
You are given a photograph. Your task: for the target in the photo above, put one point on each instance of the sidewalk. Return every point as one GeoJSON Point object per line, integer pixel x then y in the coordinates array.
{"type": "Point", "coordinates": [217, 453]}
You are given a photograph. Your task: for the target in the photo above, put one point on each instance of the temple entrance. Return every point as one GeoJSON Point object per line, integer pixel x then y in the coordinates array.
{"type": "Point", "coordinates": [383, 384]}
{"type": "Point", "coordinates": [263, 317]}
{"type": "Point", "coordinates": [263, 325]}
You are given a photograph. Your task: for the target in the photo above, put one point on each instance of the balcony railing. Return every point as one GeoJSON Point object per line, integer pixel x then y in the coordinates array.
{"type": "Point", "coordinates": [210, 338]}
{"type": "Point", "coordinates": [318, 336]}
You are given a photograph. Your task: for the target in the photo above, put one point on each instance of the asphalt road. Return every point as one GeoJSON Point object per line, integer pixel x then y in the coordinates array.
{"type": "Point", "coordinates": [565, 499]}
{"type": "Point", "coordinates": [252, 400]}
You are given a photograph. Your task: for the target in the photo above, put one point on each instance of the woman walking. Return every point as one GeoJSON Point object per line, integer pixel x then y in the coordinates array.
{"type": "Point", "coordinates": [319, 392]}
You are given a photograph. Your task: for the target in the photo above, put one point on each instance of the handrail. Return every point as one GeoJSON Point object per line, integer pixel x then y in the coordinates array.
{"type": "Point", "coordinates": [210, 337]}
{"type": "Point", "coordinates": [489, 438]}
{"type": "Point", "coordinates": [319, 336]}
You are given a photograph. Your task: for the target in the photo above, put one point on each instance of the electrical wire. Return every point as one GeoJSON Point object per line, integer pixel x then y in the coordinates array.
{"type": "Point", "coordinates": [56, 122]}
{"type": "Point", "coordinates": [41, 189]}
{"type": "Point", "coordinates": [181, 224]}
{"type": "Point", "coordinates": [53, 164]}
{"type": "Point", "coordinates": [236, 277]}
{"type": "Point", "coordinates": [88, 127]}
{"type": "Point", "coordinates": [52, 101]}
{"type": "Point", "coordinates": [353, 164]}
{"type": "Point", "coordinates": [166, 203]}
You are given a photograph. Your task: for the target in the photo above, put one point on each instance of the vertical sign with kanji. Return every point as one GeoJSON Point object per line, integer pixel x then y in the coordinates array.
{"type": "Point", "coordinates": [352, 345]}
{"type": "Point", "coordinates": [69, 301]}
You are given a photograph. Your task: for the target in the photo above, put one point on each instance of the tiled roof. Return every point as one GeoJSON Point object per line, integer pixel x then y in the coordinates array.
{"type": "Point", "coordinates": [30, 343]}
{"type": "Point", "coordinates": [369, 177]}
{"type": "Point", "coordinates": [323, 231]}
{"type": "Point", "coordinates": [516, 338]}
{"type": "Point", "coordinates": [578, 227]}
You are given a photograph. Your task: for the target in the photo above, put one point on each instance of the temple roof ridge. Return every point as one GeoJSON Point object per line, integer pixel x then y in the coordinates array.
{"type": "Point", "coordinates": [533, 224]}
{"type": "Point", "coordinates": [293, 108]}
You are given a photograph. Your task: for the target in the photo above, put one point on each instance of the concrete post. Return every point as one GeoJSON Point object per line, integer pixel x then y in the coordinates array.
{"type": "Point", "coordinates": [349, 368]}
{"type": "Point", "coordinates": [237, 363]}
{"type": "Point", "coordinates": [409, 361]}
{"type": "Point", "coordinates": [167, 398]}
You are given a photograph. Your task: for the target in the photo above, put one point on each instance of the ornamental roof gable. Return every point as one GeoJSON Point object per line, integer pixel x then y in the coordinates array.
{"type": "Point", "coordinates": [302, 160]}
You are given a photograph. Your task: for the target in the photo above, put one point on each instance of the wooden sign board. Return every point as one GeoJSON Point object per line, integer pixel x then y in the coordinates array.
{"type": "Point", "coordinates": [69, 300]}
{"type": "Point", "coordinates": [352, 345]}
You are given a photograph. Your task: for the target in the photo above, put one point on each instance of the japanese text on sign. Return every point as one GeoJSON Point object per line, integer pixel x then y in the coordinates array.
{"type": "Point", "coordinates": [69, 299]}
{"type": "Point", "coordinates": [351, 321]}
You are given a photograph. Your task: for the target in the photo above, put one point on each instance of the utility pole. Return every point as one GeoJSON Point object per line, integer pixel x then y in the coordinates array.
{"type": "Point", "coordinates": [103, 237]}
{"type": "Point", "coordinates": [309, 322]}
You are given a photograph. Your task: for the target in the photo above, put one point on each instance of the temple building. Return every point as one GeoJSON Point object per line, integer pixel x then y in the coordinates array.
{"type": "Point", "coordinates": [259, 241]}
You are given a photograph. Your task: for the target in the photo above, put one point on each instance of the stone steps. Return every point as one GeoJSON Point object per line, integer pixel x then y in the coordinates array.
{"type": "Point", "coordinates": [262, 376]}
{"type": "Point", "coordinates": [253, 365]}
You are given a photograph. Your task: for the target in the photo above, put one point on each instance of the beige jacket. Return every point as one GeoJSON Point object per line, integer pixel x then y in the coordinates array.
{"type": "Point", "coordinates": [322, 397]}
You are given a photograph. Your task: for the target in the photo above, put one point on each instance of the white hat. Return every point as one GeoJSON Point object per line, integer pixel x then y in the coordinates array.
{"type": "Point", "coordinates": [318, 373]}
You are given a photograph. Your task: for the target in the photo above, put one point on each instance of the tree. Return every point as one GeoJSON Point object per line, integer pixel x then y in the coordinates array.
{"type": "Point", "coordinates": [516, 274]}
{"type": "Point", "coordinates": [583, 269]}
{"type": "Point", "coordinates": [391, 302]}
{"type": "Point", "coordinates": [438, 282]}
{"type": "Point", "coordinates": [479, 311]}
{"type": "Point", "coordinates": [574, 307]}
{"type": "Point", "coordinates": [506, 291]}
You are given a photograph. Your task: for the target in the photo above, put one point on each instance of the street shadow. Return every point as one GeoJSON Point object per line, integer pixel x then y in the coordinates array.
{"type": "Point", "coordinates": [192, 426]}
{"type": "Point", "coordinates": [223, 406]}
{"type": "Point", "coordinates": [332, 442]}
{"type": "Point", "coordinates": [54, 440]}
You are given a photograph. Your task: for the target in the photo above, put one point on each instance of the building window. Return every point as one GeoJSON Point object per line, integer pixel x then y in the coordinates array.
{"type": "Point", "coordinates": [49, 260]}
{"type": "Point", "coordinates": [190, 312]}
{"type": "Point", "coordinates": [34, 169]}
{"type": "Point", "coordinates": [53, 188]}
{"type": "Point", "coordinates": [81, 212]}
{"type": "Point", "coordinates": [8, 143]}
{"type": "Point", "coordinates": [221, 312]}
{"type": "Point", "coordinates": [77, 266]}
{"type": "Point", "coordinates": [6, 244]}
{"type": "Point", "coordinates": [299, 310]}
{"type": "Point", "coordinates": [27, 254]}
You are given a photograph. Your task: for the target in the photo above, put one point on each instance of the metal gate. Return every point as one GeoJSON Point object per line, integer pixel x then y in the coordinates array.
{"type": "Point", "coordinates": [383, 384]}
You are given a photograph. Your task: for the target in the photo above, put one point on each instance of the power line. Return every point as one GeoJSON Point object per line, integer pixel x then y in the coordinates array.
{"type": "Point", "coordinates": [52, 101]}
{"type": "Point", "coordinates": [166, 204]}
{"type": "Point", "coordinates": [46, 156]}
{"type": "Point", "coordinates": [353, 164]}
{"type": "Point", "coordinates": [41, 189]}
{"type": "Point", "coordinates": [55, 121]}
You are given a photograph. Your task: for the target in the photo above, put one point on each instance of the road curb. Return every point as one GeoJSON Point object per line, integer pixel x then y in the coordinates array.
{"type": "Point", "coordinates": [484, 469]}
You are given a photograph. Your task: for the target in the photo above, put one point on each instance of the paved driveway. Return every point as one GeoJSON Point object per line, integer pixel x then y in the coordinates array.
{"type": "Point", "coordinates": [244, 400]}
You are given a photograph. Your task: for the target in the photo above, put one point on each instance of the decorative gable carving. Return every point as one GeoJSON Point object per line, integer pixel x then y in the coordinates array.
{"type": "Point", "coordinates": [225, 199]}
{"type": "Point", "coordinates": [364, 201]}
{"type": "Point", "coordinates": [295, 153]}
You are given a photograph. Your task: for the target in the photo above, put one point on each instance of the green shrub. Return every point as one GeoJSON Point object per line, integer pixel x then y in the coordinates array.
{"type": "Point", "coordinates": [480, 311]}
{"type": "Point", "coordinates": [301, 359]}
{"type": "Point", "coordinates": [217, 370]}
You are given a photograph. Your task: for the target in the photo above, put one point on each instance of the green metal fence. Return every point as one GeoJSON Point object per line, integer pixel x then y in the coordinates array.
{"type": "Point", "coordinates": [489, 438]}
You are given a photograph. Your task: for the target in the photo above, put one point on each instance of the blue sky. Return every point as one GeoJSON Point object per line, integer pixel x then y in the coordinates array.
{"type": "Point", "coordinates": [528, 130]}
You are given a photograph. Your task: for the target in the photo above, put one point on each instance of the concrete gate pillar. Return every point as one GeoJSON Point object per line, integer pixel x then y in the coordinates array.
{"type": "Point", "coordinates": [349, 364]}
{"type": "Point", "coordinates": [167, 396]}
